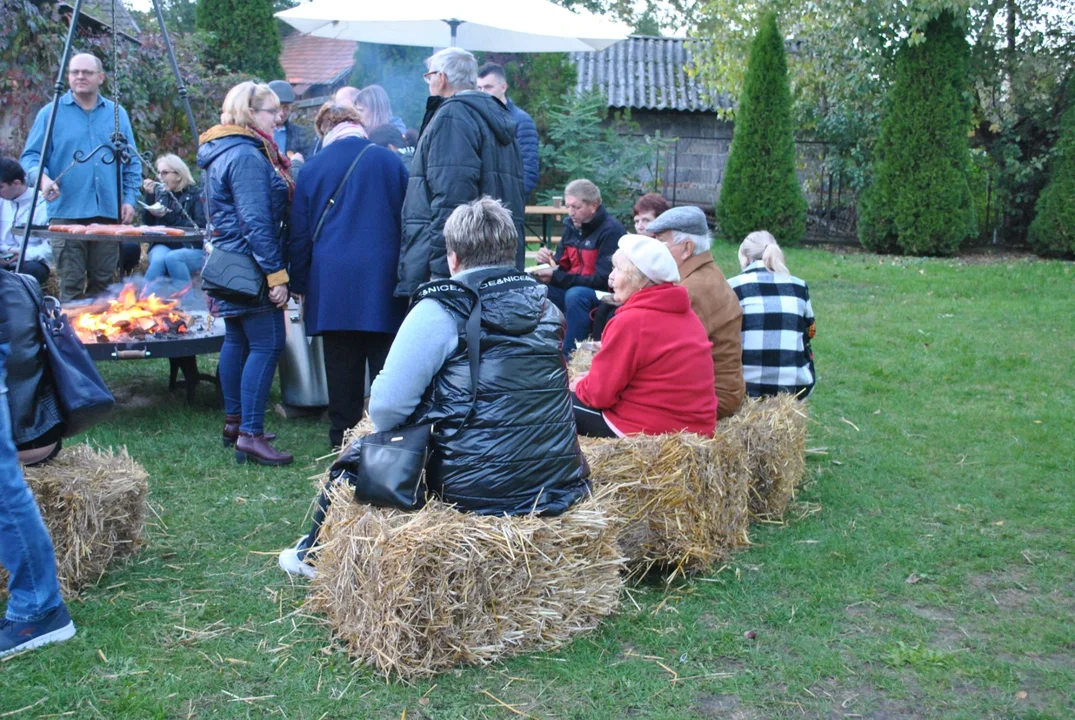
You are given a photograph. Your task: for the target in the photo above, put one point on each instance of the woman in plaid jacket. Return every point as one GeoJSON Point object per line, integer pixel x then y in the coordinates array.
{"type": "Point", "coordinates": [778, 321]}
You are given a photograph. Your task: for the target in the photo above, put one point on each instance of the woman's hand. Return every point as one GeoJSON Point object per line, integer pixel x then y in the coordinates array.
{"type": "Point", "coordinates": [149, 186]}
{"type": "Point", "coordinates": [575, 381]}
{"type": "Point", "coordinates": [278, 296]}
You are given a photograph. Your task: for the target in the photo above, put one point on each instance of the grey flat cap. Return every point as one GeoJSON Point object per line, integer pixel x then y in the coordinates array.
{"type": "Point", "coordinates": [688, 219]}
{"type": "Point", "coordinates": [283, 90]}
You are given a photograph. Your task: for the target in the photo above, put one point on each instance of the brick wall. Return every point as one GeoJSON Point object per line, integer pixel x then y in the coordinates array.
{"type": "Point", "coordinates": [691, 171]}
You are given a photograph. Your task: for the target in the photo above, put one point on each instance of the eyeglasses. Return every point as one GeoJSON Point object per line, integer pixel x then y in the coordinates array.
{"type": "Point", "coordinates": [167, 172]}
{"type": "Point", "coordinates": [428, 77]}
{"type": "Point", "coordinates": [271, 111]}
{"type": "Point", "coordinates": [82, 73]}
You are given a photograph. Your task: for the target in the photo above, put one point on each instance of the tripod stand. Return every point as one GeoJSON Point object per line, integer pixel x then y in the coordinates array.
{"type": "Point", "coordinates": [119, 149]}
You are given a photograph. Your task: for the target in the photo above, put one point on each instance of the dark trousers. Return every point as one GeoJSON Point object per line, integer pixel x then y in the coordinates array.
{"type": "Point", "coordinates": [85, 268]}
{"type": "Point", "coordinates": [576, 303]}
{"type": "Point", "coordinates": [346, 355]}
{"type": "Point", "coordinates": [129, 255]}
{"type": "Point", "coordinates": [34, 268]}
{"type": "Point", "coordinates": [590, 422]}
{"type": "Point", "coordinates": [252, 347]}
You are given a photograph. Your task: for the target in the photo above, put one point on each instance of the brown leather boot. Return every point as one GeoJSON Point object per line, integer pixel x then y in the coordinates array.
{"type": "Point", "coordinates": [256, 449]}
{"type": "Point", "coordinates": [230, 433]}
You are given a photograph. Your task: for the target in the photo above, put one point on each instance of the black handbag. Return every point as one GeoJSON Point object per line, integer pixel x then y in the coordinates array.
{"type": "Point", "coordinates": [233, 277]}
{"type": "Point", "coordinates": [230, 276]}
{"type": "Point", "coordinates": [83, 397]}
{"type": "Point", "coordinates": [388, 469]}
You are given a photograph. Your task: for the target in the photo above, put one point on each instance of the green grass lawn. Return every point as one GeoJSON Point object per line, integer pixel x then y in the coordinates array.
{"type": "Point", "coordinates": [928, 569]}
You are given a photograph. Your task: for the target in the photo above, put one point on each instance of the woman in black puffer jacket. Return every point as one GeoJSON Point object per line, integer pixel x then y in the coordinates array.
{"type": "Point", "coordinates": [247, 189]}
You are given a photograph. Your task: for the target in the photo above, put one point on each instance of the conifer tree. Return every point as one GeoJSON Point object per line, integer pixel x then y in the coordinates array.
{"type": "Point", "coordinates": [246, 38]}
{"type": "Point", "coordinates": [761, 190]}
{"type": "Point", "coordinates": [1053, 229]}
{"type": "Point", "coordinates": [920, 201]}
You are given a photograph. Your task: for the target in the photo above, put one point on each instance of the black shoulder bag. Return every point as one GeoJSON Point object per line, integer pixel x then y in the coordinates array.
{"type": "Point", "coordinates": [387, 469]}
{"type": "Point", "coordinates": [83, 397]}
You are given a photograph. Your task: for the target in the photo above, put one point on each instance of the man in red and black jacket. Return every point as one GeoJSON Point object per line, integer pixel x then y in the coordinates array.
{"type": "Point", "coordinates": [583, 260]}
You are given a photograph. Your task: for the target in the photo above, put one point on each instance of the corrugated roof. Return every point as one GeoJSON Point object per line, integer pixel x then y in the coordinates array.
{"type": "Point", "coordinates": [309, 60]}
{"type": "Point", "coordinates": [644, 72]}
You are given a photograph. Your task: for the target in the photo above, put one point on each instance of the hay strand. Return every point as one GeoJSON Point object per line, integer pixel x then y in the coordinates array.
{"type": "Point", "coordinates": [414, 594]}
{"type": "Point", "coordinates": [582, 358]}
{"type": "Point", "coordinates": [94, 505]}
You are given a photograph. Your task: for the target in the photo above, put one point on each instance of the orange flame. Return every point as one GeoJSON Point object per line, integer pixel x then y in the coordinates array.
{"type": "Point", "coordinates": [128, 314]}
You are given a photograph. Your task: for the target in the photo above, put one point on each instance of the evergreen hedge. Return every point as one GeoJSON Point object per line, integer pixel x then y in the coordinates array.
{"type": "Point", "coordinates": [761, 190]}
{"type": "Point", "coordinates": [1053, 230]}
{"type": "Point", "coordinates": [920, 201]}
{"type": "Point", "coordinates": [247, 37]}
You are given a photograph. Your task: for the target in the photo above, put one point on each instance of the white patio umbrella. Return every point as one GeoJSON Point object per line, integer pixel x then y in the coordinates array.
{"type": "Point", "coordinates": [490, 25]}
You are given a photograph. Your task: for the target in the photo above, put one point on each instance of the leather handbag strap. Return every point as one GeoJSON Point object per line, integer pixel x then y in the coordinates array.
{"type": "Point", "coordinates": [339, 189]}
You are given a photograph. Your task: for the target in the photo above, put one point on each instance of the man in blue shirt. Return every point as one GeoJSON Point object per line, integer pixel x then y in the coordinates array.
{"type": "Point", "coordinates": [84, 121]}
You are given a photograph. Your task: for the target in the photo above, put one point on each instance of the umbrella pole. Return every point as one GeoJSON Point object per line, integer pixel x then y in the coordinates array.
{"type": "Point", "coordinates": [454, 25]}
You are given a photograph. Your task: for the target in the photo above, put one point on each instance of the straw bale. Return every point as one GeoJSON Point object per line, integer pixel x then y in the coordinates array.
{"type": "Point", "coordinates": [414, 594]}
{"type": "Point", "coordinates": [94, 505]}
{"type": "Point", "coordinates": [364, 428]}
{"type": "Point", "coordinates": [682, 497]}
{"type": "Point", "coordinates": [772, 432]}
{"type": "Point", "coordinates": [581, 359]}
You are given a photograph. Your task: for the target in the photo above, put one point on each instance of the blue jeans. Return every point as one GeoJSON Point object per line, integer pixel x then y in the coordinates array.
{"type": "Point", "coordinates": [25, 547]}
{"type": "Point", "coordinates": [176, 264]}
{"type": "Point", "coordinates": [252, 346]}
{"type": "Point", "coordinates": [576, 303]}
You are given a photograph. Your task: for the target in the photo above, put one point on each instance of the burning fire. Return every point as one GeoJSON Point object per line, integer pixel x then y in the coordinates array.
{"type": "Point", "coordinates": [130, 315]}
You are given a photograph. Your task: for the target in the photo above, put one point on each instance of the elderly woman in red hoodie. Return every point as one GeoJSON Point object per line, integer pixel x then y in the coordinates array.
{"type": "Point", "coordinates": [654, 372]}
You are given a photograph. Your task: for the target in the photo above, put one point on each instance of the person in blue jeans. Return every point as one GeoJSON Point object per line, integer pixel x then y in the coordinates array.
{"type": "Point", "coordinates": [247, 190]}
{"type": "Point", "coordinates": [583, 259]}
{"type": "Point", "coordinates": [36, 614]}
{"type": "Point", "coordinates": [174, 201]}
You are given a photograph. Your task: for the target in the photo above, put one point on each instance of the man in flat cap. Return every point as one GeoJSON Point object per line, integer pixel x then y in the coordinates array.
{"type": "Point", "coordinates": [686, 234]}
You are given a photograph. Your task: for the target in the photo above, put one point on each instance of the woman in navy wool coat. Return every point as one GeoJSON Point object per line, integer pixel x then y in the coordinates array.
{"type": "Point", "coordinates": [348, 272]}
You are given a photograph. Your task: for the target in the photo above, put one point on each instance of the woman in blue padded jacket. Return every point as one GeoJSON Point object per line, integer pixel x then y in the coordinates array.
{"type": "Point", "coordinates": [247, 190]}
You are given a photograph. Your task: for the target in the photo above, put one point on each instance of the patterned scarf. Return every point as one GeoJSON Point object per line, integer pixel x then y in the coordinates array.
{"type": "Point", "coordinates": [344, 130]}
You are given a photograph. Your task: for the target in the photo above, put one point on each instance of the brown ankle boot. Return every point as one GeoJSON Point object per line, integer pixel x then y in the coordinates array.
{"type": "Point", "coordinates": [256, 449]}
{"type": "Point", "coordinates": [230, 433]}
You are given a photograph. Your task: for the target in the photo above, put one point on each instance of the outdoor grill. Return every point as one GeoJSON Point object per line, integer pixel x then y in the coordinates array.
{"type": "Point", "coordinates": [181, 342]}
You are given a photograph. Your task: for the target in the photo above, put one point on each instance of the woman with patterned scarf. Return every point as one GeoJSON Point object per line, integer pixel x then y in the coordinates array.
{"type": "Point", "coordinates": [348, 271]}
{"type": "Point", "coordinates": [248, 188]}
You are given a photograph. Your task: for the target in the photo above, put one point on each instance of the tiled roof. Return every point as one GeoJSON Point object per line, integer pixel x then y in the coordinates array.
{"type": "Point", "coordinates": [101, 11]}
{"type": "Point", "coordinates": [310, 60]}
{"type": "Point", "coordinates": [645, 72]}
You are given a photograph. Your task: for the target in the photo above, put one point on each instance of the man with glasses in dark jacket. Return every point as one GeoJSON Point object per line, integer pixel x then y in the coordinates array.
{"type": "Point", "coordinates": [466, 149]}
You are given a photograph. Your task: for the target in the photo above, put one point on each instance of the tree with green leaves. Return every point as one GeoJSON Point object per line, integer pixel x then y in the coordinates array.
{"type": "Point", "coordinates": [760, 189]}
{"type": "Point", "coordinates": [842, 65]}
{"type": "Point", "coordinates": [920, 200]}
{"type": "Point", "coordinates": [1053, 229]}
{"type": "Point", "coordinates": [246, 36]}
{"type": "Point", "coordinates": [582, 145]}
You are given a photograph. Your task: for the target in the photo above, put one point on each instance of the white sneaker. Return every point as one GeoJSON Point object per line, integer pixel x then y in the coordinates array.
{"type": "Point", "coordinates": [292, 564]}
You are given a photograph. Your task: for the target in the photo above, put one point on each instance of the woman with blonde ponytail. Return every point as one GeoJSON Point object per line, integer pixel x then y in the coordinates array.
{"type": "Point", "coordinates": [778, 321]}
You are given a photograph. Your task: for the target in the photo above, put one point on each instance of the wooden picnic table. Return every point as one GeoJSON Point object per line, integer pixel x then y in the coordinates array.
{"type": "Point", "coordinates": [546, 211]}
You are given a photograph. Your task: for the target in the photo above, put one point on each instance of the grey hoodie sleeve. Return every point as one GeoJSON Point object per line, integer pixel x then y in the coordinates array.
{"type": "Point", "coordinates": [425, 341]}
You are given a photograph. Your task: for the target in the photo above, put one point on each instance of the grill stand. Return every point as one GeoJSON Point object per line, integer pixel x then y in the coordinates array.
{"type": "Point", "coordinates": [188, 365]}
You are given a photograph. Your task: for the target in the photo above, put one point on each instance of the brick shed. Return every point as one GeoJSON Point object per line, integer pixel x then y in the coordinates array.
{"type": "Point", "coordinates": [648, 76]}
